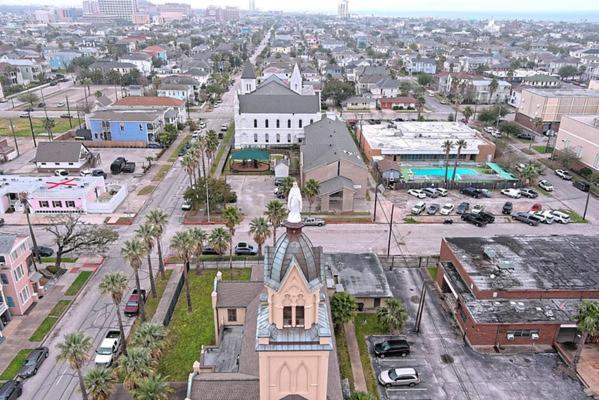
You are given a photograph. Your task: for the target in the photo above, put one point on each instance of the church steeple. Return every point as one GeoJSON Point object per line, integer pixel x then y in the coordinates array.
{"type": "Point", "coordinates": [248, 78]}
{"type": "Point", "coordinates": [296, 81]}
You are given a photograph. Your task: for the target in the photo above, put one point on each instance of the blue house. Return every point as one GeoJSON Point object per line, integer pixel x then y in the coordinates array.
{"type": "Point", "coordinates": [62, 59]}
{"type": "Point", "coordinates": [125, 126]}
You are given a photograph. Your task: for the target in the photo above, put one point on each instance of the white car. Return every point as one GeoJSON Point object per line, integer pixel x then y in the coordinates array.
{"type": "Point", "coordinates": [565, 175]}
{"type": "Point", "coordinates": [546, 216]}
{"type": "Point", "coordinates": [61, 172]}
{"type": "Point", "coordinates": [513, 193]}
{"type": "Point", "coordinates": [477, 208]}
{"type": "Point", "coordinates": [419, 193]}
{"type": "Point", "coordinates": [418, 208]}
{"type": "Point", "coordinates": [85, 172]}
{"type": "Point", "coordinates": [560, 217]}
{"type": "Point", "coordinates": [61, 104]}
{"type": "Point", "coordinates": [399, 377]}
{"type": "Point", "coordinates": [546, 185]}
{"type": "Point", "coordinates": [442, 192]}
{"type": "Point", "coordinates": [447, 209]}
{"type": "Point", "coordinates": [196, 134]}
{"type": "Point", "coordinates": [186, 206]}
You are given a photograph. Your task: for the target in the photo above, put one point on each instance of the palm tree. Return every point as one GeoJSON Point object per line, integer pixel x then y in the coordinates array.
{"type": "Point", "coordinates": [115, 284]}
{"type": "Point", "coordinates": [392, 316]}
{"type": "Point", "coordinates": [24, 199]}
{"type": "Point", "coordinates": [146, 234]}
{"type": "Point", "coordinates": [188, 162]}
{"type": "Point", "coordinates": [286, 185]}
{"type": "Point", "coordinates": [49, 124]}
{"type": "Point", "coordinates": [150, 336]}
{"type": "Point", "coordinates": [311, 190]}
{"type": "Point", "coordinates": [74, 349]}
{"type": "Point", "coordinates": [588, 324]}
{"type": "Point", "coordinates": [135, 366]}
{"type": "Point", "coordinates": [149, 159]}
{"type": "Point", "coordinates": [276, 213]}
{"type": "Point", "coordinates": [133, 252]}
{"type": "Point", "coordinates": [420, 102]}
{"type": "Point", "coordinates": [199, 150]}
{"type": "Point", "coordinates": [152, 388]}
{"type": "Point", "coordinates": [447, 146]}
{"type": "Point", "coordinates": [530, 173]}
{"type": "Point", "coordinates": [232, 217]}
{"type": "Point", "coordinates": [182, 244]}
{"type": "Point", "coordinates": [211, 143]}
{"type": "Point", "coordinates": [199, 238]}
{"type": "Point", "coordinates": [260, 231]}
{"type": "Point", "coordinates": [158, 218]}
{"type": "Point", "coordinates": [99, 383]}
{"type": "Point", "coordinates": [219, 240]}
{"type": "Point", "coordinates": [492, 89]}
{"type": "Point", "coordinates": [462, 144]}
{"type": "Point", "coordinates": [467, 113]}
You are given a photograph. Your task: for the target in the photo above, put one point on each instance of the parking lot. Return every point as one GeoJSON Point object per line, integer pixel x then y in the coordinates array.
{"type": "Point", "coordinates": [253, 192]}
{"type": "Point", "coordinates": [451, 370]}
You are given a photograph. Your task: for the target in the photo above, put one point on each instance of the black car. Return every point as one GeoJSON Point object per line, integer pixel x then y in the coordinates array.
{"type": "Point", "coordinates": [474, 219]}
{"type": "Point", "coordinates": [210, 251]}
{"type": "Point", "coordinates": [488, 217]}
{"type": "Point", "coordinates": [68, 116]}
{"type": "Point", "coordinates": [128, 168]}
{"type": "Point", "coordinates": [99, 172]}
{"type": "Point", "coordinates": [580, 185]}
{"type": "Point", "coordinates": [42, 251]}
{"type": "Point", "coordinates": [1, 221]}
{"type": "Point", "coordinates": [527, 218]}
{"type": "Point", "coordinates": [11, 390]}
{"type": "Point", "coordinates": [33, 362]}
{"type": "Point", "coordinates": [463, 208]}
{"type": "Point", "coordinates": [117, 165]}
{"type": "Point", "coordinates": [507, 208]}
{"type": "Point", "coordinates": [392, 348]}
{"type": "Point", "coordinates": [528, 192]}
{"type": "Point", "coordinates": [472, 192]}
{"type": "Point", "coordinates": [525, 136]}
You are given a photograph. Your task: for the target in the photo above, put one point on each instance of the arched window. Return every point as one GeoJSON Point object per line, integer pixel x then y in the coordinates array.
{"type": "Point", "coordinates": [278, 123]}
{"type": "Point", "coordinates": [278, 138]}
{"type": "Point", "coordinates": [266, 123]}
{"type": "Point", "coordinates": [301, 123]}
{"type": "Point", "coordinates": [255, 123]}
{"type": "Point", "coordinates": [288, 123]}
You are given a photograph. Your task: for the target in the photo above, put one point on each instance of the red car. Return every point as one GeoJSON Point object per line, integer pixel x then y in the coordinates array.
{"type": "Point", "coordinates": [132, 306]}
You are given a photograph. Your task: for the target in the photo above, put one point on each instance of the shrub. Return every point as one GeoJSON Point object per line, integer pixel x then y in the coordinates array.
{"type": "Point", "coordinates": [585, 172]}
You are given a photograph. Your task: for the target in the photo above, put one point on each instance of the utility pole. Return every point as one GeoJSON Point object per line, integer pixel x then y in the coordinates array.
{"type": "Point", "coordinates": [31, 126]}
{"type": "Point", "coordinates": [376, 198]}
{"type": "Point", "coordinates": [69, 113]}
{"type": "Point", "coordinates": [420, 308]}
{"type": "Point", "coordinates": [586, 205]}
{"type": "Point", "coordinates": [12, 129]}
{"type": "Point", "coordinates": [390, 230]}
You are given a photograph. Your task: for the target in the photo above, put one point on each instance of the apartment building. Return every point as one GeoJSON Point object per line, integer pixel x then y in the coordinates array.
{"type": "Point", "coordinates": [16, 273]}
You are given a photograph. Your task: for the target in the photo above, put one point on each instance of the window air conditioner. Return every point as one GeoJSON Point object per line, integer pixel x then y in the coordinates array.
{"type": "Point", "coordinates": [534, 336]}
{"type": "Point", "coordinates": [510, 336]}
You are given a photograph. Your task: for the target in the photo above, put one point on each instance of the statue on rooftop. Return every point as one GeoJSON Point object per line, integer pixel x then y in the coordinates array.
{"type": "Point", "coordinates": [294, 204]}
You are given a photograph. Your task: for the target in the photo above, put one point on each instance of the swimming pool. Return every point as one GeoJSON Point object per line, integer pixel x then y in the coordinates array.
{"type": "Point", "coordinates": [441, 171]}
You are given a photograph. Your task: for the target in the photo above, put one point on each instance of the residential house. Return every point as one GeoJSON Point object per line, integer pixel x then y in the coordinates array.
{"type": "Point", "coordinates": [7, 152]}
{"type": "Point", "coordinates": [177, 91]}
{"type": "Point", "coordinates": [16, 271]}
{"type": "Point", "coordinates": [141, 60]}
{"type": "Point", "coordinates": [398, 103]}
{"type": "Point", "coordinates": [62, 59]}
{"type": "Point", "coordinates": [132, 126]}
{"type": "Point", "coordinates": [155, 103]}
{"type": "Point", "coordinates": [359, 103]}
{"type": "Point", "coordinates": [107, 66]}
{"type": "Point", "coordinates": [156, 51]}
{"type": "Point", "coordinates": [70, 156]}
{"type": "Point", "coordinates": [542, 81]}
{"type": "Point", "coordinates": [417, 65]}
{"type": "Point", "coordinates": [29, 70]}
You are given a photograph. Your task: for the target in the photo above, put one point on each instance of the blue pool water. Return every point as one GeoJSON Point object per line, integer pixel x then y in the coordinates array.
{"type": "Point", "coordinates": [441, 171]}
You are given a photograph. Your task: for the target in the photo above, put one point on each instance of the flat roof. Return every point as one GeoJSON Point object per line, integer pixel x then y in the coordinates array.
{"type": "Point", "coordinates": [420, 137]}
{"type": "Point", "coordinates": [360, 275]}
{"type": "Point", "coordinates": [509, 263]}
{"type": "Point", "coordinates": [565, 92]}
{"type": "Point", "coordinates": [590, 120]}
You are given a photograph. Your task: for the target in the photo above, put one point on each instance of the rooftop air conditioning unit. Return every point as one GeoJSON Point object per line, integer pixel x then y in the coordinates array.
{"type": "Point", "coordinates": [510, 336]}
{"type": "Point", "coordinates": [534, 336]}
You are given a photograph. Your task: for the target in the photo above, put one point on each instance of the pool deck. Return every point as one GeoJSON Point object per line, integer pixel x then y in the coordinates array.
{"type": "Point", "coordinates": [480, 173]}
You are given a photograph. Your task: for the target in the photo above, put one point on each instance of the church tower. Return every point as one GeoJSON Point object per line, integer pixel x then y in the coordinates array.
{"type": "Point", "coordinates": [248, 79]}
{"type": "Point", "coordinates": [296, 82]}
{"type": "Point", "coordinates": [293, 334]}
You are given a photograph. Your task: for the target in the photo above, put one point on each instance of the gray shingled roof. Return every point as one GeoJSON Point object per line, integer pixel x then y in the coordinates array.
{"type": "Point", "coordinates": [58, 151]}
{"type": "Point", "coordinates": [273, 85]}
{"type": "Point", "coordinates": [237, 294]}
{"type": "Point", "coordinates": [225, 386]}
{"type": "Point", "coordinates": [125, 116]}
{"type": "Point", "coordinates": [279, 104]}
{"type": "Point", "coordinates": [7, 241]}
{"type": "Point", "coordinates": [248, 71]}
{"type": "Point", "coordinates": [335, 185]}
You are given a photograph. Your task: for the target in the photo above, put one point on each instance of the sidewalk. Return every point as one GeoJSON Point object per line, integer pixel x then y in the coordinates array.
{"type": "Point", "coordinates": [354, 357]}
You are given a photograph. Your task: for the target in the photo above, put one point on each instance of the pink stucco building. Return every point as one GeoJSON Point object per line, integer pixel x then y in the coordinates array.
{"type": "Point", "coordinates": [16, 273]}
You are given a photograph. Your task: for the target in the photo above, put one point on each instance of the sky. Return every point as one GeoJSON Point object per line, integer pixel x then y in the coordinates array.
{"type": "Point", "coordinates": [380, 7]}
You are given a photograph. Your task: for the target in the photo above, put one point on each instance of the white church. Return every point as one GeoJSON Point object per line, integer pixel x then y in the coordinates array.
{"type": "Point", "coordinates": [274, 112]}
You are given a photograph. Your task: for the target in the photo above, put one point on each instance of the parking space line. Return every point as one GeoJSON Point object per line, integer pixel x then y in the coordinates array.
{"type": "Point", "coordinates": [407, 389]}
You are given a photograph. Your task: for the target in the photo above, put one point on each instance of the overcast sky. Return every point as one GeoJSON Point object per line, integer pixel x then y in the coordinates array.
{"type": "Point", "coordinates": [380, 6]}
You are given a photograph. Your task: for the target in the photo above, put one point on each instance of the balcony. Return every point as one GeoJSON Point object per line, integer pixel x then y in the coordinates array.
{"type": "Point", "coordinates": [3, 308]}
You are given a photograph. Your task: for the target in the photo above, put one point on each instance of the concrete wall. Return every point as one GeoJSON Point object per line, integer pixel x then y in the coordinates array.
{"type": "Point", "coordinates": [581, 138]}
{"type": "Point", "coordinates": [551, 109]}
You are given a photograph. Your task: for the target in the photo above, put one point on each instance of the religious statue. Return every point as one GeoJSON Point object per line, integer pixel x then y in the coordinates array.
{"type": "Point", "coordinates": [294, 204]}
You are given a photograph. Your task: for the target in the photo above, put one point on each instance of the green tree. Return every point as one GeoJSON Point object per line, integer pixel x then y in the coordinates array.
{"type": "Point", "coordinates": [189, 163]}
{"type": "Point", "coordinates": [510, 128]}
{"type": "Point", "coordinates": [158, 218]}
{"type": "Point", "coordinates": [232, 217]}
{"type": "Point", "coordinates": [425, 80]}
{"type": "Point", "coordinates": [182, 244]}
{"type": "Point", "coordinates": [98, 382]}
{"type": "Point", "coordinates": [467, 113]}
{"type": "Point", "coordinates": [24, 199]}
{"type": "Point", "coordinates": [462, 144]}
{"type": "Point", "coordinates": [392, 316]}
{"type": "Point", "coordinates": [530, 173]}
{"type": "Point", "coordinates": [74, 349]}
{"type": "Point", "coordinates": [567, 157]}
{"type": "Point", "coordinates": [219, 240]}
{"type": "Point", "coordinates": [153, 387]}
{"type": "Point", "coordinates": [219, 193]}
{"type": "Point", "coordinates": [337, 90]}
{"type": "Point", "coordinates": [447, 146]}
{"type": "Point", "coordinates": [361, 396]}
{"type": "Point", "coordinates": [29, 98]}
{"type": "Point", "coordinates": [146, 233]}
{"type": "Point", "coordinates": [135, 366]}
{"type": "Point", "coordinates": [286, 185]}
{"type": "Point", "coordinates": [537, 122]}
{"type": "Point", "coordinates": [567, 71]}
{"type": "Point", "coordinates": [151, 336]}
{"type": "Point", "coordinates": [493, 86]}
{"type": "Point", "coordinates": [260, 231]}
{"type": "Point", "coordinates": [115, 284]}
{"type": "Point", "coordinates": [211, 143]}
{"type": "Point", "coordinates": [343, 308]}
{"type": "Point", "coordinates": [311, 191]}
{"type": "Point", "coordinates": [133, 252]}
{"type": "Point", "coordinates": [199, 237]}
{"type": "Point", "coordinates": [275, 213]}
{"type": "Point", "coordinates": [587, 321]}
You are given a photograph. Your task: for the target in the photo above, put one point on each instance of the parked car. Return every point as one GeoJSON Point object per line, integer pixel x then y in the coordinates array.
{"type": "Point", "coordinates": [196, 134]}
{"type": "Point", "coordinates": [431, 192]}
{"type": "Point", "coordinates": [527, 218]}
{"type": "Point", "coordinates": [186, 206]}
{"type": "Point", "coordinates": [314, 221]}
{"type": "Point", "coordinates": [61, 104]}
{"type": "Point", "coordinates": [565, 175]}
{"type": "Point", "coordinates": [546, 185]}
{"type": "Point", "coordinates": [545, 217]}
{"type": "Point", "coordinates": [24, 115]}
{"type": "Point", "coordinates": [210, 251]}
{"type": "Point", "coordinates": [581, 185]}
{"type": "Point", "coordinates": [474, 219]}
{"type": "Point", "coordinates": [433, 209]}
{"type": "Point", "coordinates": [66, 116]}
{"type": "Point", "coordinates": [99, 172]}
{"type": "Point", "coordinates": [155, 145]}
{"type": "Point", "coordinates": [507, 208]}
{"type": "Point", "coordinates": [520, 167]}
{"type": "Point", "coordinates": [442, 192]}
{"type": "Point", "coordinates": [109, 348]}
{"type": "Point", "coordinates": [525, 136]}
{"type": "Point", "coordinates": [496, 134]}
{"type": "Point", "coordinates": [462, 208]}
{"type": "Point", "coordinates": [399, 377]}
{"type": "Point", "coordinates": [485, 192]}
{"type": "Point", "coordinates": [472, 192]}
{"type": "Point", "coordinates": [42, 251]}
{"type": "Point", "coordinates": [1, 221]}
{"type": "Point", "coordinates": [128, 168]}
{"type": "Point", "coordinates": [202, 124]}
{"type": "Point", "coordinates": [513, 193]}
{"type": "Point", "coordinates": [224, 127]}
{"type": "Point", "coordinates": [132, 305]}
{"type": "Point", "coordinates": [11, 390]}
{"type": "Point", "coordinates": [279, 181]}
{"type": "Point", "coordinates": [447, 209]}
{"type": "Point", "coordinates": [528, 192]}
{"type": "Point", "coordinates": [560, 217]}
{"type": "Point", "coordinates": [85, 172]}
{"type": "Point", "coordinates": [245, 249]}
{"type": "Point", "coordinates": [61, 172]}
{"type": "Point", "coordinates": [392, 348]}
{"type": "Point", "coordinates": [419, 193]}
{"type": "Point", "coordinates": [418, 208]}
{"type": "Point", "coordinates": [487, 217]}
{"type": "Point", "coordinates": [117, 165]}
{"type": "Point", "coordinates": [33, 362]}
{"type": "Point", "coordinates": [477, 208]}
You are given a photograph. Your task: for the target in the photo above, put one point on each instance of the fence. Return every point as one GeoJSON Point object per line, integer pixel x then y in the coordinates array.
{"type": "Point", "coordinates": [171, 294]}
{"type": "Point", "coordinates": [491, 185]}
{"type": "Point", "coordinates": [107, 207]}
{"type": "Point", "coordinates": [400, 261]}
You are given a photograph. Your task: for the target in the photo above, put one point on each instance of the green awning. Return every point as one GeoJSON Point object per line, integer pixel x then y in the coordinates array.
{"type": "Point", "coordinates": [250, 154]}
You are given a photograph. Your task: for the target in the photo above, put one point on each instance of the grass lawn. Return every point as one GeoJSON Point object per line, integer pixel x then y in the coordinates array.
{"type": "Point", "coordinates": [366, 325]}
{"type": "Point", "coordinates": [541, 149]}
{"type": "Point", "coordinates": [343, 355]}
{"type": "Point", "coordinates": [221, 148]}
{"type": "Point", "coordinates": [78, 283]}
{"type": "Point", "coordinates": [175, 153]}
{"type": "Point", "coordinates": [410, 220]}
{"type": "Point", "coordinates": [63, 259]}
{"type": "Point", "coordinates": [432, 271]}
{"type": "Point", "coordinates": [151, 304]}
{"type": "Point", "coordinates": [22, 127]}
{"type": "Point", "coordinates": [146, 190]}
{"type": "Point", "coordinates": [15, 365]}
{"type": "Point", "coordinates": [189, 331]}
{"type": "Point", "coordinates": [162, 172]}
{"type": "Point", "coordinates": [51, 320]}
{"type": "Point", "coordinates": [574, 216]}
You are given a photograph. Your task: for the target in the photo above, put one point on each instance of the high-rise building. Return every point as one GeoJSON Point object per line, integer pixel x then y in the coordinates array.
{"type": "Point", "coordinates": [343, 9]}
{"type": "Point", "coordinates": [252, 5]}
{"type": "Point", "coordinates": [118, 8]}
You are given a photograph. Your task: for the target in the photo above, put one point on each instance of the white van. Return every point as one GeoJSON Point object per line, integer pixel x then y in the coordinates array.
{"type": "Point", "coordinates": [560, 217]}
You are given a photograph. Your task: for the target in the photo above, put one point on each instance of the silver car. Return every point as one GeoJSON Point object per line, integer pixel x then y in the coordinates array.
{"type": "Point", "coordinates": [399, 377]}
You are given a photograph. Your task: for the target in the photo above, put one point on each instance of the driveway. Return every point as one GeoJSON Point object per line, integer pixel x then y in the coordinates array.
{"type": "Point", "coordinates": [451, 370]}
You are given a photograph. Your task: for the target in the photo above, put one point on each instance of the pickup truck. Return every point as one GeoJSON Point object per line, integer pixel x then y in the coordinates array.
{"type": "Point", "coordinates": [109, 348]}
{"type": "Point", "coordinates": [132, 305]}
{"type": "Point", "coordinates": [314, 222]}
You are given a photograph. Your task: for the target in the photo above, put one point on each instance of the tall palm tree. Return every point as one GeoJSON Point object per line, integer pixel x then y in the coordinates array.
{"type": "Point", "coordinates": [150, 336]}
{"type": "Point", "coordinates": [135, 366]}
{"type": "Point", "coordinates": [99, 383]}
{"type": "Point", "coordinates": [188, 162]}
{"type": "Point", "coordinates": [115, 284]}
{"type": "Point", "coordinates": [200, 152]}
{"type": "Point", "coordinates": [159, 219]}
{"type": "Point", "coordinates": [447, 146]}
{"type": "Point", "coordinates": [211, 143]}
{"type": "Point", "coordinates": [286, 185]}
{"type": "Point", "coordinates": [182, 244]}
{"type": "Point", "coordinates": [133, 252]}
{"type": "Point", "coordinates": [276, 213]}
{"type": "Point", "coordinates": [232, 217]}
{"type": "Point", "coordinates": [74, 349]}
{"type": "Point", "coordinates": [199, 237]}
{"type": "Point", "coordinates": [260, 231]}
{"type": "Point", "coordinates": [493, 86]}
{"type": "Point", "coordinates": [154, 387]}
{"type": "Point", "coordinates": [530, 173]}
{"type": "Point", "coordinates": [311, 190]}
{"type": "Point", "coordinates": [588, 324]}
{"type": "Point", "coordinates": [219, 240]}
{"type": "Point", "coordinates": [392, 315]}
{"type": "Point", "coordinates": [24, 199]}
{"type": "Point", "coordinates": [462, 144]}
{"type": "Point", "coordinates": [146, 234]}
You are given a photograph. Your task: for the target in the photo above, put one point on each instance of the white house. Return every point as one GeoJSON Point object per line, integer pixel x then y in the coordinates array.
{"type": "Point", "coordinates": [141, 60]}
{"type": "Point", "coordinates": [178, 91]}
{"type": "Point", "coordinates": [72, 156]}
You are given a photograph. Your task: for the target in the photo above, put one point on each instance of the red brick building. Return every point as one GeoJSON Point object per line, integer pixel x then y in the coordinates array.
{"type": "Point", "coordinates": [518, 290]}
{"type": "Point", "coordinates": [398, 103]}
